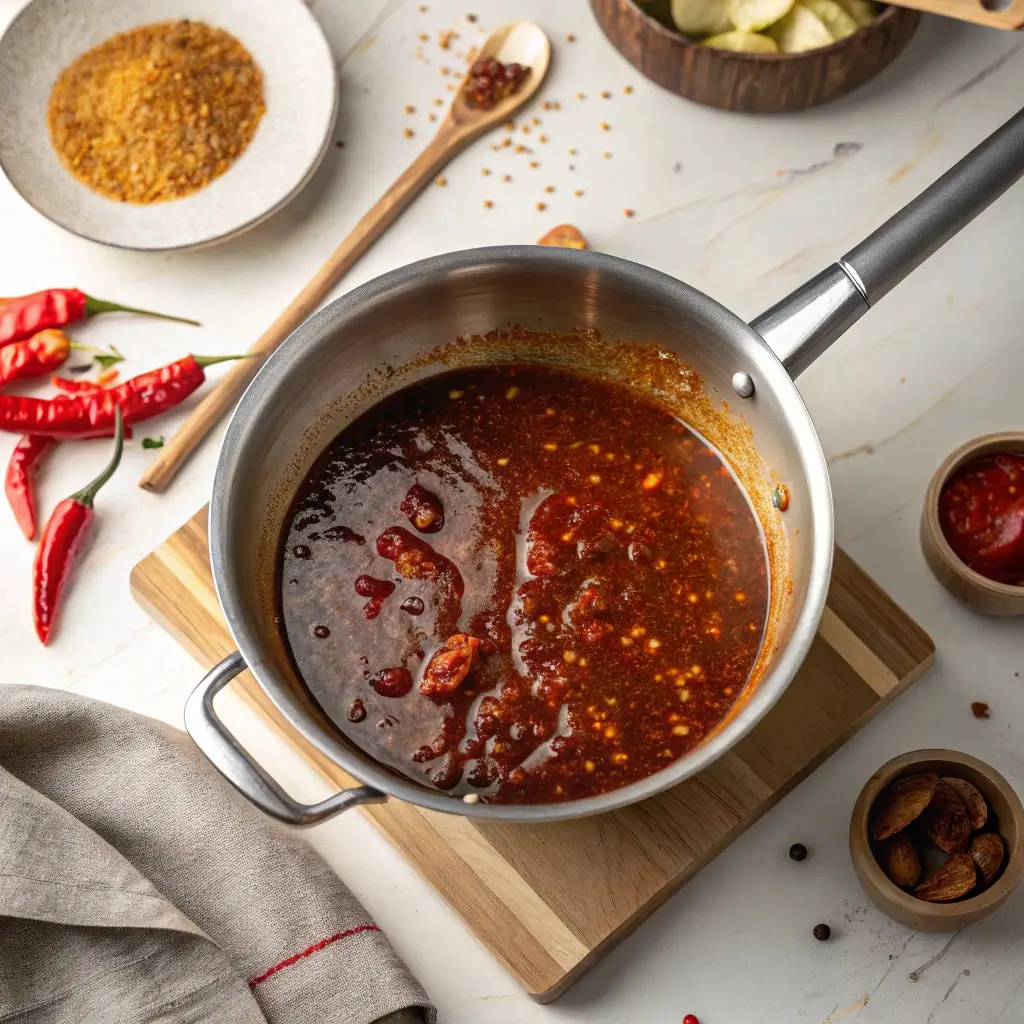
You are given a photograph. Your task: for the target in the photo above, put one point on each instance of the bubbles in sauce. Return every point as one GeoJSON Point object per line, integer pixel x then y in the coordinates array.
{"type": "Point", "coordinates": [580, 585]}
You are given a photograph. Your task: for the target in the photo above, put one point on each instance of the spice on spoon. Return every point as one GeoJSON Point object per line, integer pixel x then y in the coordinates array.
{"type": "Point", "coordinates": [490, 81]}
{"type": "Point", "coordinates": [26, 315]}
{"type": "Point", "coordinates": [62, 536]}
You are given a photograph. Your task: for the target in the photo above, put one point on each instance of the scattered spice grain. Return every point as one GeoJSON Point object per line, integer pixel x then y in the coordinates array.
{"type": "Point", "coordinates": [542, 206]}
{"type": "Point", "coordinates": [549, 188]}
{"type": "Point", "coordinates": [605, 94]}
{"type": "Point", "coordinates": [798, 852]}
{"type": "Point", "coordinates": [605, 126]}
{"type": "Point", "coordinates": [506, 178]}
{"type": "Point", "coordinates": [471, 18]}
{"type": "Point", "coordinates": [570, 38]}
{"type": "Point", "coordinates": [979, 709]}
{"type": "Point", "coordinates": [488, 204]}
{"type": "Point", "coordinates": [822, 932]}
{"type": "Point", "coordinates": [535, 164]}
{"type": "Point", "coordinates": [628, 90]}
{"type": "Point", "coordinates": [628, 212]}
{"type": "Point", "coordinates": [485, 171]}
{"type": "Point", "coordinates": [410, 109]}
{"type": "Point", "coordinates": [409, 133]}
{"type": "Point", "coordinates": [441, 181]}
{"type": "Point", "coordinates": [578, 192]}
{"type": "Point", "coordinates": [157, 112]}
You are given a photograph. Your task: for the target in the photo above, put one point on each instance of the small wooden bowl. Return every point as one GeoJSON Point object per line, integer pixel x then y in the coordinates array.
{"type": "Point", "coordinates": [974, 590]}
{"type": "Point", "coordinates": [753, 83]}
{"type": "Point", "coordinates": [1004, 805]}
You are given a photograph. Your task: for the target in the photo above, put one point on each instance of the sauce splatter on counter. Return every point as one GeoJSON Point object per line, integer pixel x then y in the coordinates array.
{"type": "Point", "coordinates": [562, 589]}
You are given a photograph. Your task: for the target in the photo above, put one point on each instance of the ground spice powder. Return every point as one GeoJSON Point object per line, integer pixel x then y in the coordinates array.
{"type": "Point", "coordinates": [156, 113]}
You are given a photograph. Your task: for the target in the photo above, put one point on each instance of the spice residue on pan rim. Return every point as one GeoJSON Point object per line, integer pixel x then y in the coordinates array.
{"type": "Point", "coordinates": [651, 367]}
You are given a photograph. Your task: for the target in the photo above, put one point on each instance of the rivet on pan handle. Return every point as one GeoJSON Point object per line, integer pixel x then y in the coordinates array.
{"type": "Point", "coordinates": [235, 764]}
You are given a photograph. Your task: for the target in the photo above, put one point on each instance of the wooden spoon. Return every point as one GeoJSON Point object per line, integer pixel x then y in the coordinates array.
{"type": "Point", "coordinates": [523, 43]}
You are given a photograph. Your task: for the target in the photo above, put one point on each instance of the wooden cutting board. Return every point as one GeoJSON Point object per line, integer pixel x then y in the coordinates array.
{"type": "Point", "coordinates": [549, 900]}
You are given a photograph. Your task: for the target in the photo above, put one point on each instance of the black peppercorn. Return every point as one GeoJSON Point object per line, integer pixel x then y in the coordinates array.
{"type": "Point", "coordinates": [798, 852]}
{"type": "Point", "coordinates": [822, 932]}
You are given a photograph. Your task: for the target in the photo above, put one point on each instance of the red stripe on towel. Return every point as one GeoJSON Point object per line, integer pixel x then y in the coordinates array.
{"type": "Point", "coordinates": [315, 948]}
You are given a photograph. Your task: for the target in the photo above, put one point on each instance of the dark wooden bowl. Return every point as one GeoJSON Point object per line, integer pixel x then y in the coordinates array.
{"type": "Point", "coordinates": [753, 83]}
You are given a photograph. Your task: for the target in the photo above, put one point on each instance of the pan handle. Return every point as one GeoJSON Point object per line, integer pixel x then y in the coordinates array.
{"type": "Point", "coordinates": [806, 322]}
{"type": "Point", "coordinates": [234, 763]}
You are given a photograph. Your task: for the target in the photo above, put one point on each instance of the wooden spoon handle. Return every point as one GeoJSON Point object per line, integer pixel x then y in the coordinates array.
{"type": "Point", "coordinates": [204, 417]}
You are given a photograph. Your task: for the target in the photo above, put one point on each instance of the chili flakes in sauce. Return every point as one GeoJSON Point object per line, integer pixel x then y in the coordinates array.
{"type": "Point", "coordinates": [580, 585]}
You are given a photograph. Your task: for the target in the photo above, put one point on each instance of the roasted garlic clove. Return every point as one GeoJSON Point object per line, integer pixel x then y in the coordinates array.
{"type": "Point", "coordinates": [956, 878]}
{"type": "Point", "coordinates": [901, 802]}
{"type": "Point", "coordinates": [988, 851]}
{"type": "Point", "coordinates": [946, 821]}
{"type": "Point", "coordinates": [899, 860]}
{"type": "Point", "coordinates": [973, 801]}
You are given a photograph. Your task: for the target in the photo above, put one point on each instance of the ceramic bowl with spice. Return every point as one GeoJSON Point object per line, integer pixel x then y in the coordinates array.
{"type": "Point", "coordinates": [164, 124]}
{"type": "Point", "coordinates": [972, 524]}
{"type": "Point", "coordinates": [936, 839]}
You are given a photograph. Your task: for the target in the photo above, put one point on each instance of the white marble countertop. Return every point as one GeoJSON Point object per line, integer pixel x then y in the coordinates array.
{"type": "Point", "coordinates": [744, 208]}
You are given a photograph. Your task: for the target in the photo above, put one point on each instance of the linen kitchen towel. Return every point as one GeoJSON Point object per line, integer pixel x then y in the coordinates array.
{"type": "Point", "coordinates": [137, 886]}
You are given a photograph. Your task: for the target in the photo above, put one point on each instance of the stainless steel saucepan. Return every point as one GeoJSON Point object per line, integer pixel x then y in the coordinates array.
{"type": "Point", "coordinates": [380, 337]}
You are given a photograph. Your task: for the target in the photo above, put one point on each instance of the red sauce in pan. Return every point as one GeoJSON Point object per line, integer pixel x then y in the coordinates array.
{"type": "Point", "coordinates": [981, 512]}
{"type": "Point", "coordinates": [524, 583]}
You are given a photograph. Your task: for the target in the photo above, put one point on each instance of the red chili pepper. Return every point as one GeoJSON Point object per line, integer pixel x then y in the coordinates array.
{"type": "Point", "coordinates": [92, 414]}
{"type": "Point", "coordinates": [74, 387]}
{"type": "Point", "coordinates": [19, 484]}
{"type": "Point", "coordinates": [42, 353]}
{"type": "Point", "coordinates": [61, 538]}
{"type": "Point", "coordinates": [25, 315]}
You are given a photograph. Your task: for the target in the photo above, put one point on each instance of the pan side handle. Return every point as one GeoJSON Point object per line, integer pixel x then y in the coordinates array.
{"type": "Point", "coordinates": [806, 322]}
{"type": "Point", "coordinates": [234, 763]}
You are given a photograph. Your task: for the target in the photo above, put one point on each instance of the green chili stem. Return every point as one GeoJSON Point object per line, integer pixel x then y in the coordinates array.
{"type": "Point", "coordinates": [94, 306]}
{"type": "Point", "coordinates": [87, 495]}
{"type": "Point", "coordinates": [205, 361]}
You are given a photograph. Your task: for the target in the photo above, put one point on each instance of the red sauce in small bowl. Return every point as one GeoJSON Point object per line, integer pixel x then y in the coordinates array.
{"type": "Point", "coordinates": [981, 512]}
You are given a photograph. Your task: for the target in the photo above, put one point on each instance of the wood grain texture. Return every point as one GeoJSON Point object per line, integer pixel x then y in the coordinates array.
{"type": "Point", "coordinates": [548, 900]}
{"type": "Point", "coordinates": [1009, 18]}
{"type": "Point", "coordinates": [756, 83]}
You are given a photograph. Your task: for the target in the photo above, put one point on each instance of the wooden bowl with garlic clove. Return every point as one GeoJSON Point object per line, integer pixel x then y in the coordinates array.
{"type": "Point", "coordinates": [937, 839]}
